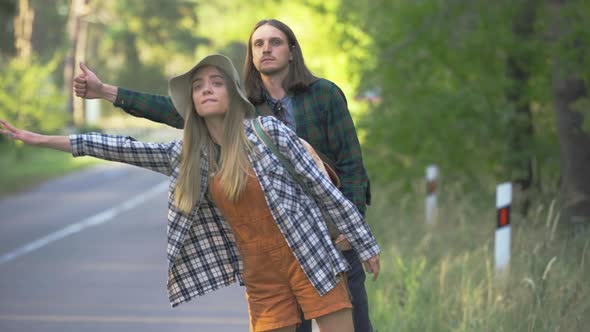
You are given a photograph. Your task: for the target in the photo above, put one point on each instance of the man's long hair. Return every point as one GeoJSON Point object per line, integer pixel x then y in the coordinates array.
{"type": "Point", "coordinates": [233, 165]}
{"type": "Point", "coordinates": [299, 77]}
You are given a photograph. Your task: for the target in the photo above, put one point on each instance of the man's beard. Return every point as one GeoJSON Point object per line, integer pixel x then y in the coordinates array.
{"type": "Point", "coordinates": [273, 71]}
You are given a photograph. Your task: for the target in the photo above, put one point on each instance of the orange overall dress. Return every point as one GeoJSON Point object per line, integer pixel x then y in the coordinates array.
{"type": "Point", "coordinates": [276, 285]}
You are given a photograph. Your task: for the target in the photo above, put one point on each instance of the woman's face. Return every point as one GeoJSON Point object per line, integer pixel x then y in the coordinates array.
{"type": "Point", "coordinates": [210, 92]}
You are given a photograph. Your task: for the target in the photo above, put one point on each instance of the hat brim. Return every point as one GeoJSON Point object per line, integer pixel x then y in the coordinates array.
{"type": "Point", "coordinates": [179, 87]}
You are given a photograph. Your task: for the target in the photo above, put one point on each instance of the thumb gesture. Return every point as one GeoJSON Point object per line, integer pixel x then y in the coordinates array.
{"type": "Point", "coordinates": [87, 85]}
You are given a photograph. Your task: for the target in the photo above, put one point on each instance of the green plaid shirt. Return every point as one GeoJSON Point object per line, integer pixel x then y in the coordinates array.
{"type": "Point", "coordinates": [322, 119]}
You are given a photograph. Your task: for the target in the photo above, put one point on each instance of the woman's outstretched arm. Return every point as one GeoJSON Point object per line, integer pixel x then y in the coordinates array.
{"type": "Point", "coordinates": [61, 143]}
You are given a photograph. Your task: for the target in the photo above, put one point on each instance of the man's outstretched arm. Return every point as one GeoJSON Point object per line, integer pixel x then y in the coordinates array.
{"type": "Point", "coordinates": [154, 107]}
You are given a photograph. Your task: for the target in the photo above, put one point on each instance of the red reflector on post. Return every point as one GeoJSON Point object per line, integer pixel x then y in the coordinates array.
{"type": "Point", "coordinates": [430, 187]}
{"type": "Point", "coordinates": [504, 216]}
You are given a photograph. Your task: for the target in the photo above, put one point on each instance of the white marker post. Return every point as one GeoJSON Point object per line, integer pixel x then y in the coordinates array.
{"type": "Point", "coordinates": [431, 184]}
{"type": "Point", "coordinates": [92, 111]}
{"type": "Point", "coordinates": [502, 240]}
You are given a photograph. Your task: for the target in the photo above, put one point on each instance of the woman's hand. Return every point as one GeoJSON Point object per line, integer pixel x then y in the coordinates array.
{"type": "Point", "coordinates": [61, 143]}
{"type": "Point", "coordinates": [342, 243]}
{"type": "Point", "coordinates": [372, 266]}
{"type": "Point", "coordinates": [26, 137]}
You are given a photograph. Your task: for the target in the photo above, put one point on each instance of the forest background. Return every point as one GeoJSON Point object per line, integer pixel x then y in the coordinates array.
{"type": "Point", "coordinates": [489, 92]}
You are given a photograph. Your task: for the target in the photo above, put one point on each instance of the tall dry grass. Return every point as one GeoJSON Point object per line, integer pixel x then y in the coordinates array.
{"type": "Point", "coordinates": [442, 277]}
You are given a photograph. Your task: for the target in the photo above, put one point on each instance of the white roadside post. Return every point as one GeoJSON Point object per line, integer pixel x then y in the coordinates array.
{"type": "Point", "coordinates": [92, 111]}
{"type": "Point", "coordinates": [431, 185]}
{"type": "Point", "coordinates": [502, 240]}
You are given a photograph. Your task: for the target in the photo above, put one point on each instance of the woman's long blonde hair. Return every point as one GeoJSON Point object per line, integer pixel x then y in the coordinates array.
{"type": "Point", "coordinates": [233, 165]}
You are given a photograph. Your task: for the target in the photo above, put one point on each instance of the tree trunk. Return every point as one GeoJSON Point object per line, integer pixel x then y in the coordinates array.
{"type": "Point", "coordinates": [23, 30]}
{"type": "Point", "coordinates": [521, 140]}
{"type": "Point", "coordinates": [77, 31]}
{"type": "Point", "coordinates": [568, 92]}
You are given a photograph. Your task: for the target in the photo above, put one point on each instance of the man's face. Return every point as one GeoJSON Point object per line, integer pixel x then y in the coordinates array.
{"type": "Point", "coordinates": [271, 53]}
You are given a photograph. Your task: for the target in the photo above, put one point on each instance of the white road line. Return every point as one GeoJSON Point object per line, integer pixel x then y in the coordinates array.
{"type": "Point", "coordinates": [128, 319]}
{"type": "Point", "coordinates": [95, 220]}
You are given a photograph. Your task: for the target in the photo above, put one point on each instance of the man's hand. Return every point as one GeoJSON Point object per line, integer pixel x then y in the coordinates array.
{"type": "Point", "coordinates": [87, 85]}
{"type": "Point", "coordinates": [372, 266]}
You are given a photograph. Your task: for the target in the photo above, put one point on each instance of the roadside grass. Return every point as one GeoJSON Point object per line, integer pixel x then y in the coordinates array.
{"type": "Point", "coordinates": [442, 277]}
{"type": "Point", "coordinates": [22, 167]}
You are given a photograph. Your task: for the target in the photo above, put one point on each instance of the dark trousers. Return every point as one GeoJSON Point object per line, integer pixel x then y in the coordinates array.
{"type": "Point", "coordinates": [356, 285]}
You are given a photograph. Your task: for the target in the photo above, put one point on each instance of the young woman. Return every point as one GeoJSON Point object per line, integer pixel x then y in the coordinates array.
{"type": "Point", "coordinates": [235, 213]}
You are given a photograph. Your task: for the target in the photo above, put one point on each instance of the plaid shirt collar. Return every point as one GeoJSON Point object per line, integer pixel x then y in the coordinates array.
{"type": "Point", "coordinates": [281, 108]}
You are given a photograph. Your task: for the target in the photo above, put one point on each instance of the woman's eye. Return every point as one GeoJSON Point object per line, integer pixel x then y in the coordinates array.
{"type": "Point", "coordinates": [218, 83]}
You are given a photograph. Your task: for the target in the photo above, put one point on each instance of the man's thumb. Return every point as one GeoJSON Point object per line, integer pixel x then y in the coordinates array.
{"type": "Point", "coordinates": [84, 68]}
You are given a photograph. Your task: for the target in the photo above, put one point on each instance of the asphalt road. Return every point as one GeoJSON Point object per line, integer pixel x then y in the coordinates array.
{"type": "Point", "coordinates": [87, 252]}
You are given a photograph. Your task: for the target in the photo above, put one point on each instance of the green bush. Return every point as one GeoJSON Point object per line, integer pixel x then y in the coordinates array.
{"type": "Point", "coordinates": [29, 98]}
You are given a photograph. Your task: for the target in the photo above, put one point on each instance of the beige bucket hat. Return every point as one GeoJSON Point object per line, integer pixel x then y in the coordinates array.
{"type": "Point", "coordinates": [179, 87]}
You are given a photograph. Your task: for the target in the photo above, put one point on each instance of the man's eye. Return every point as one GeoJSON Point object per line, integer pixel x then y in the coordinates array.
{"type": "Point", "coordinates": [257, 44]}
{"type": "Point", "coordinates": [276, 42]}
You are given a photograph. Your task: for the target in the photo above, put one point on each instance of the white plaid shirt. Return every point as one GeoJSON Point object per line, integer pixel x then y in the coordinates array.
{"type": "Point", "coordinates": [202, 253]}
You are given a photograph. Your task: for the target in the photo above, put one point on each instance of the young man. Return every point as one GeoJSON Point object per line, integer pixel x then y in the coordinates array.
{"type": "Point", "coordinates": [278, 82]}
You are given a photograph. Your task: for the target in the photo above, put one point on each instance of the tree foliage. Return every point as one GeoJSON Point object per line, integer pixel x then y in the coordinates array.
{"type": "Point", "coordinates": [441, 67]}
{"type": "Point", "coordinates": [449, 73]}
{"type": "Point", "coordinates": [29, 97]}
